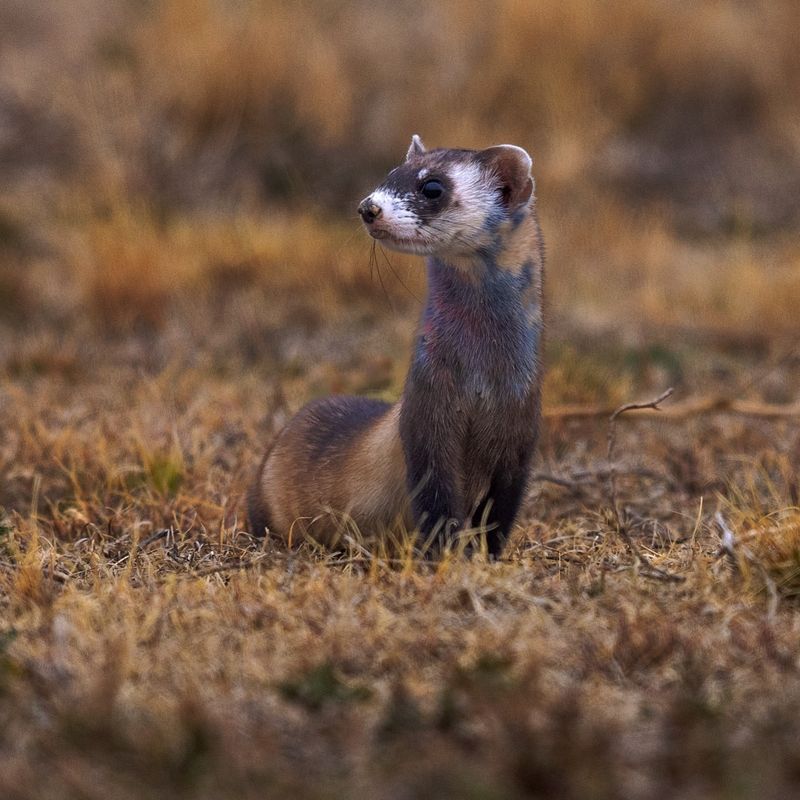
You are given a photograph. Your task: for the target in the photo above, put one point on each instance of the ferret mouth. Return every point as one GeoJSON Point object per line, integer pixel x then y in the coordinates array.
{"type": "Point", "coordinates": [399, 243]}
{"type": "Point", "coordinates": [413, 246]}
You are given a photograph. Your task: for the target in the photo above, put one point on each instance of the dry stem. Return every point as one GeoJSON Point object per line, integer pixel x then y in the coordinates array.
{"type": "Point", "coordinates": [620, 524]}
{"type": "Point", "coordinates": [680, 411]}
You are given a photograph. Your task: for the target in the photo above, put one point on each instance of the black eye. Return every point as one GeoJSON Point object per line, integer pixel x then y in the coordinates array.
{"type": "Point", "coordinates": [432, 189]}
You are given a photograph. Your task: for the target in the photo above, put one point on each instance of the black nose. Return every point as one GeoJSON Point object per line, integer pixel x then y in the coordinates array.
{"type": "Point", "coordinates": [369, 211]}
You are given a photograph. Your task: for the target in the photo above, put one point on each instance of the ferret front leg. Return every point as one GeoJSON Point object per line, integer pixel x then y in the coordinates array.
{"type": "Point", "coordinates": [437, 510]}
{"type": "Point", "coordinates": [437, 502]}
{"type": "Point", "coordinates": [499, 510]}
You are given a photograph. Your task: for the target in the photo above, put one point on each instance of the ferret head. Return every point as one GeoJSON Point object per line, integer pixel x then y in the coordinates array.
{"type": "Point", "coordinates": [449, 202]}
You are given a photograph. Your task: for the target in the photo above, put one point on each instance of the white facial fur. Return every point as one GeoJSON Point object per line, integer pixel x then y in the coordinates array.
{"type": "Point", "coordinates": [461, 228]}
{"type": "Point", "coordinates": [397, 223]}
{"type": "Point", "coordinates": [458, 230]}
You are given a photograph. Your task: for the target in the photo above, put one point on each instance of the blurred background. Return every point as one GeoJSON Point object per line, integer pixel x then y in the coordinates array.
{"type": "Point", "coordinates": [180, 177]}
{"type": "Point", "coordinates": [182, 267]}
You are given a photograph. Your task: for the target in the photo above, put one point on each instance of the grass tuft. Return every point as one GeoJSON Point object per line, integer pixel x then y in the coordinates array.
{"type": "Point", "coordinates": [165, 471]}
{"type": "Point", "coordinates": [772, 559]}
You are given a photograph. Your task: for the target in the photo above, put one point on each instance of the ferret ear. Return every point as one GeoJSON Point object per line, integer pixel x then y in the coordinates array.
{"type": "Point", "coordinates": [416, 148]}
{"type": "Point", "coordinates": [512, 166]}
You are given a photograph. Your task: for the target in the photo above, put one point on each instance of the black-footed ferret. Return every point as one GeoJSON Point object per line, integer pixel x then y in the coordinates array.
{"type": "Point", "coordinates": [455, 451]}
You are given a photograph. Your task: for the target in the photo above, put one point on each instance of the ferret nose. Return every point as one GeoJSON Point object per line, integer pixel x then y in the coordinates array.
{"type": "Point", "coordinates": [369, 210]}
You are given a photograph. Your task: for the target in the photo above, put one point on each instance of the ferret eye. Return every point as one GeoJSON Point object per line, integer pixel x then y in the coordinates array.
{"type": "Point", "coordinates": [432, 189]}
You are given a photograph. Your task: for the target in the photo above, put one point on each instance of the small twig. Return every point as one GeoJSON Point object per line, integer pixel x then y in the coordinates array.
{"type": "Point", "coordinates": [213, 570]}
{"type": "Point", "coordinates": [657, 574]}
{"type": "Point", "coordinates": [654, 404]}
{"type": "Point", "coordinates": [695, 407]}
{"type": "Point", "coordinates": [612, 442]}
{"type": "Point", "coordinates": [621, 526]}
{"type": "Point", "coordinates": [154, 537]}
{"type": "Point", "coordinates": [584, 477]}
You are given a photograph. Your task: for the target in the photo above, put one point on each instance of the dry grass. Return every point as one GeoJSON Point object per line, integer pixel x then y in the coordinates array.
{"type": "Point", "coordinates": [152, 647]}
{"type": "Point", "coordinates": [180, 270]}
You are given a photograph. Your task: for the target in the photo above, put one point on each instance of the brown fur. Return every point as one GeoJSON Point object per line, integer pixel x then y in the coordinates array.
{"type": "Point", "coordinates": [455, 451]}
{"type": "Point", "coordinates": [300, 492]}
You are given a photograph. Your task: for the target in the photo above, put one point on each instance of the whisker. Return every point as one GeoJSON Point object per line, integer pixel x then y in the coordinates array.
{"type": "Point", "coordinates": [394, 272]}
{"type": "Point", "coordinates": [374, 259]}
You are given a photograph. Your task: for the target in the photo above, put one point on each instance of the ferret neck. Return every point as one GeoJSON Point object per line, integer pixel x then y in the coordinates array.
{"type": "Point", "coordinates": [506, 245]}
{"type": "Point", "coordinates": [509, 257]}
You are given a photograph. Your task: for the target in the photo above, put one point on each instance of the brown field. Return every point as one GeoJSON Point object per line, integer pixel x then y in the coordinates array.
{"type": "Point", "coordinates": [181, 268]}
